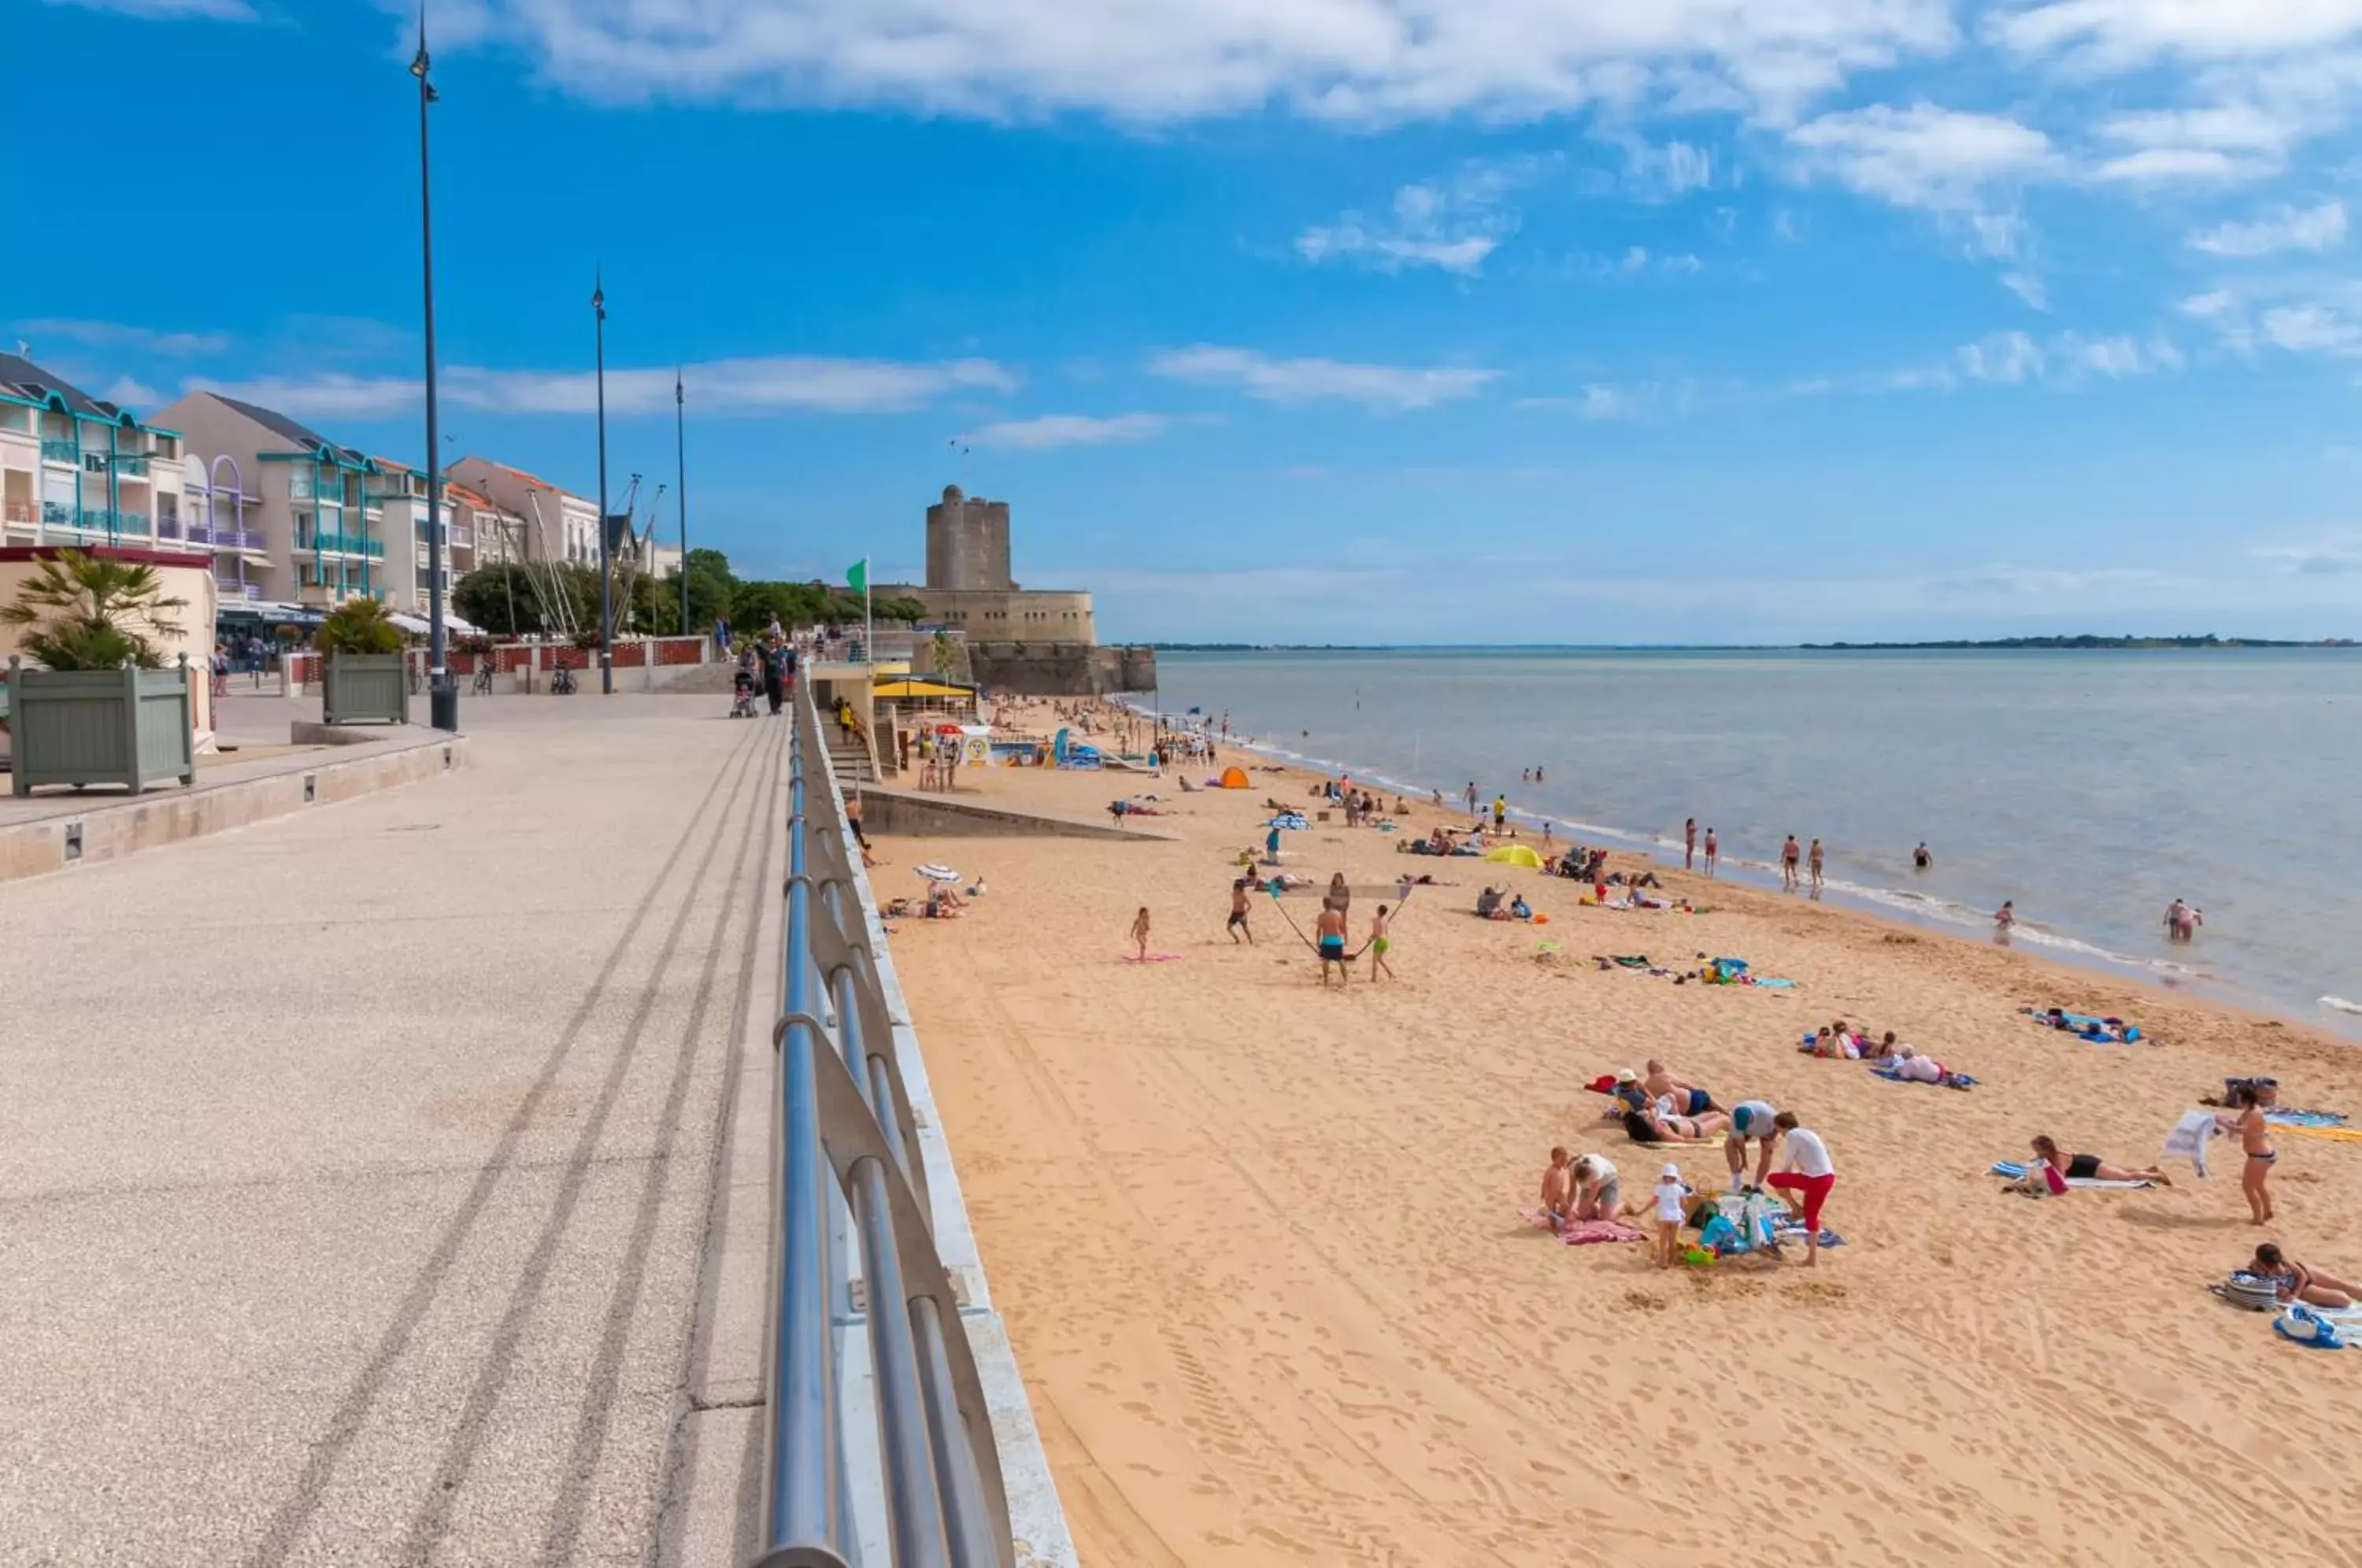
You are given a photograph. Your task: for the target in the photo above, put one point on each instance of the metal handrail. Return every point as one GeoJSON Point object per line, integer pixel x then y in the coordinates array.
{"type": "Point", "coordinates": [843, 1114]}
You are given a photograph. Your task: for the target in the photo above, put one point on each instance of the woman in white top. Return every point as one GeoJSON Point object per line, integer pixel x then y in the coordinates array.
{"type": "Point", "coordinates": [1808, 1170]}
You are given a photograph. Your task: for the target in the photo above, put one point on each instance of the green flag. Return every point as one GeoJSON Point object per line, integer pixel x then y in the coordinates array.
{"type": "Point", "coordinates": [857, 574]}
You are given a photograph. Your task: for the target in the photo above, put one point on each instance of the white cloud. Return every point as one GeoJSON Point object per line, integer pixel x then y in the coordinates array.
{"type": "Point", "coordinates": [1069, 430]}
{"type": "Point", "coordinates": [2312, 328]}
{"type": "Point", "coordinates": [1924, 156]}
{"type": "Point", "coordinates": [2334, 557]}
{"type": "Point", "coordinates": [2027, 287]}
{"type": "Point", "coordinates": [1664, 173]}
{"type": "Point", "coordinates": [722, 386]}
{"type": "Point", "coordinates": [2006, 357]}
{"type": "Point", "coordinates": [129, 392]}
{"type": "Point", "coordinates": [121, 337]}
{"type": "Point", "coordinates": [2122, 34]}
{"type": "Point", "coordinates": [2114, 358]}
{"type": "Point", "coordinates": [2309, 228]}
{"type": "Point", "coordinates": [169, 10]}
{"type": "Point", "coordinates": [1389, 387]}
{"type": "Point", "coordinates": [2158, 164]}
{"type": "Point", "coordinates": [1170, 59]}
{"type": "Point", "coordinates": [1452, 224]}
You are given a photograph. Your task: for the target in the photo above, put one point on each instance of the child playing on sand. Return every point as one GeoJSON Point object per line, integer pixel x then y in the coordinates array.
{"type": "Point", "coordinates": [1378, 946]}
{"type": "Point", "coordinates": [1237, 922]}
{"type": "Point", "coordinates": [1670, 1194]}
{"type": "Point", "coordinates": [1140, 932]}
{"type": "Point", "coordinates": [1558, 1189]}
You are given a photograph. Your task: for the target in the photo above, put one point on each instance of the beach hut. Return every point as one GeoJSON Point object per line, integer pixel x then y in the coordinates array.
{"type": "Point", "coordinates": [1234, 779]}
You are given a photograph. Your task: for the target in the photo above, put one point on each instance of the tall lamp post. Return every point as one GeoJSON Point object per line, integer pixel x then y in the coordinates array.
{"type": "Point", "coordinates": [680, 456]}
{"type": "Point", "coordinates": [442, 696]}
{"type": "Point", "coordinates": [606, 571]}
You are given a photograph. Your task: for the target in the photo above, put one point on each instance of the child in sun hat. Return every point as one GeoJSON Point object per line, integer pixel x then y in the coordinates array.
{"type": "Point", "coordinates": [1671, 1193]}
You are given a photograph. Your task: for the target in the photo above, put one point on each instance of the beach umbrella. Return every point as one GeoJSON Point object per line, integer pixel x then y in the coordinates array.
{"type": "Point", "coordinates": [937, 873]}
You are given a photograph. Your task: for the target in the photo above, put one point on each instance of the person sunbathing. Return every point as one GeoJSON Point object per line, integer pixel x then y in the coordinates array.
{"type": "Point", "coordinates": [2090, 1167]}
{"type": "Point", "coordinates": [2298, 1282]}
{"type": "Point", "coordinates": [1666, 1089]}
{"type": "Point", "coordinates": [1912, 1066]}
{"type": "Point", "coordinates": [1659, 1124]}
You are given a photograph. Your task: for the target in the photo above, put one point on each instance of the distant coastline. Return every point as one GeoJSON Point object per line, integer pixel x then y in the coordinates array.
{"type": "Point", "coordinates": [2084, 642]}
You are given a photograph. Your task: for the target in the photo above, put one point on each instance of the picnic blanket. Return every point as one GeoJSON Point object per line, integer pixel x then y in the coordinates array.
{"type": "Point", "coordinates": [2014, 1172]}
{"type": "Point", "coordinates": [1586, 1232]}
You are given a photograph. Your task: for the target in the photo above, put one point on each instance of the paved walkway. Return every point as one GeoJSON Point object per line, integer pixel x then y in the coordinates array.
{"type": "Point", "coordinates": [355, 1167]}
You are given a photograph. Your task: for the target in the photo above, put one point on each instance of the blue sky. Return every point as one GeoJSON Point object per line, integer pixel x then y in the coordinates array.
{"type": "Point", "coordinates": [1409, 320]}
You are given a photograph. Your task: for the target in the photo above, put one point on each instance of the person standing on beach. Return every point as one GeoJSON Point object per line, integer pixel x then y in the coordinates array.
{"type": "Point", "coordinates": [1671, 1193]}
{"type": "Point", "coordinates": [1236, 926]}
{"type": "Point", "coordinates": [1140, 932]}
{"type": "Point", "coordinates": [1788, 854]}
{"type": "Point", "coordinates": [1689, 844]}
{"type": "Point", "coordinates": [1813, 860]}
{"type": "Point", "coordinates": [1472, 797]}
{"type": "Point", "coordinates": [1712, 852]}
{"type": "Point", "coordinates": [1379, 943]}
{"type": "Point", "coordinates": [1500, 812]}
{"type": "Point", "coordinates": [1339, 898]}
{"type": "Point", "coordinates": [2004, 918]}
{"type": "Point", "coordinates": [1271, 843]}
{"type": "Point", "coordinates": [1330, 933]}
{"type": "Point", "coordinates": [1810, 1171]}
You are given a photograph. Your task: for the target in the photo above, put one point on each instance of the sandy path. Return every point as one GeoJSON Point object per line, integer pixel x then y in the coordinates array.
{"type": "Point", "coordinates": [1259, 1252]}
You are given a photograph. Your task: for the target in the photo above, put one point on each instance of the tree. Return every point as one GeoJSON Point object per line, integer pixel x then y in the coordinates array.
{"type": "Point", "coordinates": [501, 599]}
{"type": "Point", "coordinates": [89, 612]}
{"type": "Point", "coordinates": [709, 596]}
{"type": "Point", "coordinates": [358, 626]}
{"type": "Point", "coordinates": [899, 607]}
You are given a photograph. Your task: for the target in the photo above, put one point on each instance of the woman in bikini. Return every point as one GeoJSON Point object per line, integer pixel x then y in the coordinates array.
{"type": "Point", "coordinates": [2298, 1282]}
{"type": "Point", "coordinates": [2256, 1138]}
{"type": "Point", "coordinates": [2090, 1167]}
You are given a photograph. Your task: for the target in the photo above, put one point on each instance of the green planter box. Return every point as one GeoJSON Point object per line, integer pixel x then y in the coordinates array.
{"type": "Point", "coordinates": [132, 727]}
{"type": "Point", "coordinates": [365, 689]}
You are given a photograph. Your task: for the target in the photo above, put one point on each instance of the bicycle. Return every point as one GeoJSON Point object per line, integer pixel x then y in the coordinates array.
{"type": "Point", "coordinates": [484, 678]}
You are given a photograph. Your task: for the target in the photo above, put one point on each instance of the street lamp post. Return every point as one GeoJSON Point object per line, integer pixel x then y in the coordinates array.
{"type": "Point", "coordinates": [681, 455]}
{"type": "Point", "coordinates": [443, 695]}
{"type": "Point", "coordinates": [606, 571]}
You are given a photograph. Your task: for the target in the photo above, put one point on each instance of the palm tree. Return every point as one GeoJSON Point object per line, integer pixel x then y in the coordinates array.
{"type": "Point", "coordinates": [89, 612]}
{"type": "Point", "coordinates": [358, 626]}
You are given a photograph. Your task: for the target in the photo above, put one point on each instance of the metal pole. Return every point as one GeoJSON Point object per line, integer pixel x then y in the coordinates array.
{"type": "Point", "coordinates": [681, 451]}
{"type": "Point", "coordinates": [442, 696]}
{"type": "Point", "coordinates": [606, 573]}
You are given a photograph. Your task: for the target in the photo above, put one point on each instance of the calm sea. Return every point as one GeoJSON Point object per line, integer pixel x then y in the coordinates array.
{"type": "Point", "coordinates": [2092, 788]}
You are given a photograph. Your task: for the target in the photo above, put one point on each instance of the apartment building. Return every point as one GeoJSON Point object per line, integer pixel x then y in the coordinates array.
{"type": "Point", "coordinates": [318, 507]}
{"type": "Point", "coordinates": [75, 470]}
{"type": "Point", "coordinates": [553, 524]}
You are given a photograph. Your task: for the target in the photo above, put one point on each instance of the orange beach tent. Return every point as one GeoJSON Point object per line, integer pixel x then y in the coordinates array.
{"type": "Point", "coordinates": [1234, 779]}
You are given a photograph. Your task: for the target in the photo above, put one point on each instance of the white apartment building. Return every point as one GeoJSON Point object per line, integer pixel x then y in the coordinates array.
{"type": "Point", "coordinates": [554, 524]}
{"type": "Point", "coordinates": [75, 470]}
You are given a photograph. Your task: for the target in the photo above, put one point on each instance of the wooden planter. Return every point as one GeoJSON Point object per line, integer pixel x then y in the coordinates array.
{"type": "Point", "coordinates": [132, 727]}
{"type": "Point", "coordinates": [365, 689]}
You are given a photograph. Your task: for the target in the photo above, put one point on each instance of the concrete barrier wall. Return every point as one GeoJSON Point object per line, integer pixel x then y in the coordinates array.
{"type": "Point", "coordinates": [901, 814]}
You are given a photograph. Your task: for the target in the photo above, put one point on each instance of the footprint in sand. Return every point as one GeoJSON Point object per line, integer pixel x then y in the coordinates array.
{"type": "Point", "coordinates": [1641, 1301]}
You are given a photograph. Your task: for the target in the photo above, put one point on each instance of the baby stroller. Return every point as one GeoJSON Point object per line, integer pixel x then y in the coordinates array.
{"type": "Point", "coordinates": [742, 701]}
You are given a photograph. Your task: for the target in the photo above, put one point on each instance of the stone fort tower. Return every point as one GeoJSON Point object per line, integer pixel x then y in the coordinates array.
{"type": "Point", "coordinates": [968, 544]}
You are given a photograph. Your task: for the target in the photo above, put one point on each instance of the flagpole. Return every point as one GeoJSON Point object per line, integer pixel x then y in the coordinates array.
{"type": "Point", "coordinates": [868, 623]}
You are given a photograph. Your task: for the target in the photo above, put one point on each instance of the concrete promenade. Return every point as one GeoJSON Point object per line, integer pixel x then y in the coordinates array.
{"type": "Point", "coordinates": [356, 1166]}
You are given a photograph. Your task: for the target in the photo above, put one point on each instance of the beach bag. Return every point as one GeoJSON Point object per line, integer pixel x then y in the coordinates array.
{"type": "Point", "coordinates": [2299, 1322]}
{"type": "Point", "coordinates": [2250, 1291]}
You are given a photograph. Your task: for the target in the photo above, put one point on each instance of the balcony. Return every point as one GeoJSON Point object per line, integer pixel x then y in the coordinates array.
{"type": "Point", "coordinates": [342, 545]}
{"type": "Point", "coordinates": [98, 520]}
{"type": "Point", "coordinates": [56, 451]}
{"type": "Point", "coordinates": [168, 528]}
{"type": "Point", "coordinates": [137, 467]}
{"type": "Point", "coordinates": [57, 513]}
{"type": "Point", "coordinates": [249, 590]}
{"type": "Point", "coordinates": [225, 538]}
{"type": "Point", "coordinates": [18, 512]}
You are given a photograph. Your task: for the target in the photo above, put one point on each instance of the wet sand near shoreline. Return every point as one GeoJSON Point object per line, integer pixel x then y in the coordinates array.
{"type": "Point", "coordinates": [1259, 1251]}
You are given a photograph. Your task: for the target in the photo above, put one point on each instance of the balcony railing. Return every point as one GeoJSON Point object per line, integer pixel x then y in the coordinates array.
{"type": "Point", "coordinates": [56, 451]}
{"type": "Point", "coordinates": [167, 527]}
{"type": "Point", "coordinates": [845, 1123]}
{"type": "Point", "coordinates": [225, 538]}
{"type": "Point", "coordinates": [58, 513]}
{"type": "Point", "coordinates": [19, 511]}
{"type": "Point", "coordinates": [343, 545]}
{"type": "Point", "coordinates": [137, 467]}
{"type": "Point", "coordinates": [237, 589]}
{"type": "Point", "coordinates": [98, 520]}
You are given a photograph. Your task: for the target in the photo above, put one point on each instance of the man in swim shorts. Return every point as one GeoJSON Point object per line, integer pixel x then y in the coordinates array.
{"type": "Point", "coordinates": [1238, 922]}
{"type": "Point", "coordinates": [1687, 1100]}
{"type": "Point", "coordinates": [1329, 935]}
{"type": "Point", "coordinates": [1751, 1121]}
{"type": "Point", "coordinates": [1788, 853]}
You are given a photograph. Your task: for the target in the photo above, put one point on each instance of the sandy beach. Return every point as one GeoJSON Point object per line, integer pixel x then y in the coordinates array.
{"type": "Point", "coordinates": [1260, 1249]}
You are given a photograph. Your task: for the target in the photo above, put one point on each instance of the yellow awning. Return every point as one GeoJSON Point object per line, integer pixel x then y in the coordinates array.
{"type": "Point", "coordinates": [890, 690]}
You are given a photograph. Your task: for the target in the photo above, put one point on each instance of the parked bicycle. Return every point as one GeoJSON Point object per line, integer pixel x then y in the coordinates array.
{"type": "Point", "coordinates": [483, 677]}
{"type": "Point", "coordinates": [561, 681]}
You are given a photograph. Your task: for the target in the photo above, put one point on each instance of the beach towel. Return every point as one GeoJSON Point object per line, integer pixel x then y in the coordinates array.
{"type": "Point", "coordinates": [1790, 1229]}
{"type": "Point", "coordinates": [2336, 1134]}
{"type": "Point", "coordinates": [1151, 959]}
{"type": "Point", "coordinates": [1585, 1232]}
{"type": "Point", "coordinates": [2190, 1136]}
{"type": "Point", "coordinates": [2015, 1171]}
{"type": "Point", "coordinates": [1949, 1080]}
{"type": "Point", "coordinates": [2307, 1326]}
{"type": "Point", "coordinates": [2305, 1118]}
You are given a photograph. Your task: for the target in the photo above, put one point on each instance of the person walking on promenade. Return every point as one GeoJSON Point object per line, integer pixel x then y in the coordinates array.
{"type": "Point", "coordinates": [775, 677]}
